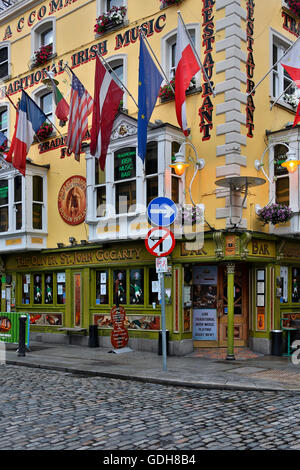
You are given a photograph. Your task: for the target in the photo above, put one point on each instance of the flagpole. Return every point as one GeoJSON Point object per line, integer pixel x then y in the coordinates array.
{"type": "Point", "coordinates": [274, 65]}
{"type": "Point", "coordinates": [116, 76]}
{"type": "Point", "coordinates": [196, 53]}
{"type": "Point", "coordinates": [7, 96]}
{"type": "Point", "coordinates": [284, 91]}
{"type": "Point", "coordinates": [162, 70]}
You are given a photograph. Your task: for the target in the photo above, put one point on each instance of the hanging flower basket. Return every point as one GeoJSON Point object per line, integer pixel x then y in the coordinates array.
{"type": "Point", "coordinates": [110, 19]}
{"type": "Point", "coordinates": [275, 214]}
{"type": "Point", "coordinates": [294, 6]}
{"type": "Point", "coordinates": [42, 55]}
{"type": "Point", "coordinates": [44, 131]}
{"type": "Point", "coordinates": [166, 3]}
{"type": "Point", "coordinates": [293, 100]}
{"type": "Point", "coordinates": [166, 92]}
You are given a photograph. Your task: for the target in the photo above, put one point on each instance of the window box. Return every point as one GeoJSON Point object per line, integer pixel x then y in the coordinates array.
{"type": "Point", "coordinates": [44, 131]}
{"type": "Point", "coordinates": [293, 6]}
{"type": "Point", "coordinates": [42, 55]}
{"type": "Point", "coordinates": [109, 20]}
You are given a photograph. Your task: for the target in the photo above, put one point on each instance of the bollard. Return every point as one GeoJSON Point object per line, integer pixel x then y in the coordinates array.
{"type": "Point", "coordinates": [22, 330]}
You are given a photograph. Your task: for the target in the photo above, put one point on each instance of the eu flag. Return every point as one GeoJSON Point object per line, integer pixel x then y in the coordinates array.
{"type": "Point", "coordinates": [149, 83]}
{"type": "Point", "coordinates": [3, 138]}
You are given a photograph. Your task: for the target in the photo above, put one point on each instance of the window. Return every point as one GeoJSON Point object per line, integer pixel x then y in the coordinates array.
{"type": "Point", "coordinates": [125, 180]}
{"type": "Point", "coordinates": [295, 284]}
{"type": "Point", "coordinates": [4, 61]}
{"type": "Point", "coordinates": [119, 66]}
{"type": "Point", "coordinates": [282, 82]}
{"type": "Point", "coordinates": [113, 3]}
{"type": "Point", "coordinates": [175, 179]}
{"type": "Point", "coordinates": [101, 287]}
{"type": "Point", "coordinates": [37, 202]}
{"type": "Point", "coordinates": [44, 288]}
{"type": "Point", "coordinates": [169, 53]}
{"type": "Point", "coordinates": [106, 5]}
{"type": "Point", "coordinates": [151, 171]}
{"type": "Point", "coordinates": [100, 188]}
{"type": "Point", "coordinates": [4, 120]}
{"type": "Point", "coordinates": [46, 104]}
{"type": "Point", "coordinates": [282, 181]}
{"type": "Point", "coordinates": [119, 296]}
{"type": "Point", "coordinates": [44, 34]}
{"type": "Point", "coordinates": [137, 286]}
{"type": "Point", "coordinates": [18, 201]}
{"type": "Point", "coordinates": [4, 201]}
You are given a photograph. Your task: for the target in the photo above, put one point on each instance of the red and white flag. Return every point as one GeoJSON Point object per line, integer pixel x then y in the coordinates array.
{"type": "Point", "coordinates": [186, 67]}
{"type": "Point", "coordinates": [107, 99]}
{"type": "Point", "coordinates": [81, 105]}
{"type": "Point", "coordinates": [291, 63]}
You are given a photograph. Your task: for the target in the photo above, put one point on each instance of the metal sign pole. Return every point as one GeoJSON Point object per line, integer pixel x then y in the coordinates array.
{"type": "Point", "coordinates": [163, 320]}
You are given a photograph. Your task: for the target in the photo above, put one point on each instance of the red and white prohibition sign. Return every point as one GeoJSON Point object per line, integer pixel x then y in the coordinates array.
{"type": "Point", "coordinates": [160, 241]}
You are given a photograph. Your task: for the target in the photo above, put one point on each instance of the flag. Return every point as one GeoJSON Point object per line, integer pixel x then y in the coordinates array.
{"type": "Point", "coordinates": [62, 107]}
{"type": "Point", "coordinates": [291, 63]}
{"type": "Point", "coordinates": [81, 106]}
{"type": "Point", "coordinates": [107, 97]}
{"type": "Point", "coordinates": [297, 117]}
{"type": "Point", "coordinates": [150, 80]}
{"type": "Point", "coordinates": [186, 67]}
{"type": "Point", "coordinates": [30, 118]}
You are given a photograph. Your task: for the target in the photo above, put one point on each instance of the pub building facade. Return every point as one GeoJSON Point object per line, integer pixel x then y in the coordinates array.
{"type": "Point", "coordinates": [72, 238]}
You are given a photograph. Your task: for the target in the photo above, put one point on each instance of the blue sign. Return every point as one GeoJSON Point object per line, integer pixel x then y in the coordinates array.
{"type": "Point", "coordinates": [162, 211]}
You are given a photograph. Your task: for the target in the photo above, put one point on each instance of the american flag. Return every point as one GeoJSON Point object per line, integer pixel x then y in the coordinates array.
{"type": "Point", "coordinates": [81, 105]}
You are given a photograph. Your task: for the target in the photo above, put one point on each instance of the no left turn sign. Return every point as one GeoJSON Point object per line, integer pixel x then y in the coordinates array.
{"type": "Point", "coordinates": [160, 241]}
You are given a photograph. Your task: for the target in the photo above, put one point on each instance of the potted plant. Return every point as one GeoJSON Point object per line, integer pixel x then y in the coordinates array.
{"type": "Point", "coordinates": [166, 92]}
{"type": "Point", "coordinates": [42, 55]}
{"type": "Point", "coordinates": [111, 18]}
{"type": "Point", "coordinates": [166, 3]}
{"type": "Point", "coordinates": [275, 213]}
{"type": "Point", "coordinates": [44, 131]}
{"type": "Point", "coordinates": [291, 99]}
{"type": "Point", "coordinates": [294, 6]}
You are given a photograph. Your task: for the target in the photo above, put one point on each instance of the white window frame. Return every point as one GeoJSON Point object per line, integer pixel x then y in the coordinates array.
{"type": "Point", "coordinates": [5, 107]}
{"type": "Point", "coordinates": [37, 94]}
{"type": "Point", "coordinates": [101, 7]}
{"type": "Point", "coordinates": [6, 44]}
{"type": "Point", "coordinates": [166, 50]}
{"type": "Point", "coordinates": [37, 31]}
{"type": "Point", "coordinates": [282, 43]}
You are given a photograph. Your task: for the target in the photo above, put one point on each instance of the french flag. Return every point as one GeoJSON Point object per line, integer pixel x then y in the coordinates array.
{"type": "Point", "coordinates": [107, 97]}
{"type": "Point", "coordinates": [186, 67]}
{"type": "Point", "coordinates": [30, 118]}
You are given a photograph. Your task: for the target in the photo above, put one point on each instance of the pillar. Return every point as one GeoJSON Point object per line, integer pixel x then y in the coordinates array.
{"type": "Point", "coordinates": [230, 315]}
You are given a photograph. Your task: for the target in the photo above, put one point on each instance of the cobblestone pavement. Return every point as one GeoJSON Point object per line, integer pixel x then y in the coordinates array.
{"type": "Point", "coordinates": [49, 410]}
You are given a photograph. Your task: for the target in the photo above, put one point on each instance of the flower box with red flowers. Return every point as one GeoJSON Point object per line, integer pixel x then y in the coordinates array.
{"type": "Point", "coordinates": [166, 93]}
{"type": "Point", "coordinates": [294, 6]}
{"type": "Point", "coordinates": [113, 17]}
{"type": "Point", "coordinates": [42, 55]}
{"type": "Point", "coordinates": [44, 131]}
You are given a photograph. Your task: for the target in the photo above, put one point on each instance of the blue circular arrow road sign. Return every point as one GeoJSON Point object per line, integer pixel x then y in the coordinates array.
{"type": "Point", "coordinates": [162, 211]}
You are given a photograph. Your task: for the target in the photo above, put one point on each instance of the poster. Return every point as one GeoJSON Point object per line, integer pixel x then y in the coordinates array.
{"type": "Point", "coordinates": [205, 324]}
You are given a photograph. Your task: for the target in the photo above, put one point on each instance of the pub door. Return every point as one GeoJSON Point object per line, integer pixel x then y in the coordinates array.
{"type": "Point", "coordinates": [241, 305]}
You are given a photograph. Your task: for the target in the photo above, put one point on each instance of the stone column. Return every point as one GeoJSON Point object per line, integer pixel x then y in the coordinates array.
{"type": "Point", "coordinates": [230, 314]}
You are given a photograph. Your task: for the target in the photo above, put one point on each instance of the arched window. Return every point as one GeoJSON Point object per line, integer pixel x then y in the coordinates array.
{"type": "Point", "coordinates": [44, 34]}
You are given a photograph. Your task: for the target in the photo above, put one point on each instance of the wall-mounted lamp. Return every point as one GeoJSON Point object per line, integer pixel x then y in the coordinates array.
{"type": "Point", "coordinates": [180, 164]}
{"type": "Point", "coordinates": [72, 240]}
{"type": "Point", "coordinates": [291, 163]}
{"type": "Point", "coordinates": [47, 81]}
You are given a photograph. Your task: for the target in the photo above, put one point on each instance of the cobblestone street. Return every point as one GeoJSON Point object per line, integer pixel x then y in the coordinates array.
{"type": "Point", "coordinates": [48, 410]}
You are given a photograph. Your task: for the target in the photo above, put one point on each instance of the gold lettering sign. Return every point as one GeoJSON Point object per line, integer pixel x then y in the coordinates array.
{"type": "Point", "coordinates": [262, 248]}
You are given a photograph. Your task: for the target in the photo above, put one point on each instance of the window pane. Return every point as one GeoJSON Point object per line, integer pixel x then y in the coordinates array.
{"type": "Point", "coordinates": [46, 103]}
{"type": "Point", "coordinates": [4, 70]}
{"type": "Point", "coordinates": [101, 201]}
{"type": "Point", "coordinates": [153, 286]}
{"type": "Point", "coordinates": [120, 287]}
{"type": "Point", "coordinates": [101, 287]}
{"type": "Point", "coordinates": [118, 73]}
{"type": "Point", "coordinates": [18, 208]}
{"type": "Point", "coordinates": [61, 288]}
{"type": "Point", "coordinates": [125, 163]}
{"type": "Point", "coordinates": [3, 219]}
{"type": "Point", "coordinates": [114, 3]}
{"type": "Point", "coordinates": [152, 189]}
{"type": "Point", "coordinates": [125, 197]}
{"type": "Point", "coordinates": [175, 189]}
{"type": "Point", "coordinates": [151, 158]}
{"type": "Point", "coordinates": [99, 174]}
{"type": "Point", "coordinates": [3, 192]}
{"type": "Point", "coordinates": [47, 37]}
{"type": "Point", "coordinates": [26, 289]}
{"type": "Point", "coordinates": [283, 191]}
{"type": "Point", "coordinates": [37, 182]}
{"type": "Point", "coordinates": [137, 286]}
{"type": "Point", "coordinates": [295, 284]}
{"type": "Point", "coordinates": [3, 121]}
{"type": "Point", "coordinates": [48, 289]}
{"type": "Point", "coordinates": [37, 289]}
{"type": "Point", "coordinates": [37, 221]}
{"type": "Point", "coordinates": [18, 188]}
{"type": "Point", "coordinates": [3, 54]}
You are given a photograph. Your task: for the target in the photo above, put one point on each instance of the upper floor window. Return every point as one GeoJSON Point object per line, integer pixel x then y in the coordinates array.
{"type": "Point", "coordinates": [281, 174]}
{"type": "Point", "coordinates": [283, 87]}
{"type": "Point", "coordinates": [44, 34]}
{"type": "Point", "coordinates": [4, 61]}
{"type": "Point", "coordinates": [114, 3]}
{"type": "Point", "coordinates": [46, 104]}
{"type": "Point", "coordinates": [118, 65]}
{"type": "Point", "coordinates": [169, 53]}
{"type": "Point", "coordinates": [4, 120]}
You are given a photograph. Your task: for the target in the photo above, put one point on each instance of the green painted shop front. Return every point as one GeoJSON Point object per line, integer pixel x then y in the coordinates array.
{"type": "Point", "coordinates": [238, 285]}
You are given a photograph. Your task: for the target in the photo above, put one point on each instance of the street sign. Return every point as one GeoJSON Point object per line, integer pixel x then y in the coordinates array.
{"type": "Point", "coordinates": [162, 211]}
{"type": "Point", "coordinates": [161, 265]}
{"type": "Point", "coordinates": [160, 241]}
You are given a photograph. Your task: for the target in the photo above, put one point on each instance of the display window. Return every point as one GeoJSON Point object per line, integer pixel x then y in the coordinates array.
{"type": "Point", "coordinates": [102, 287]}
{"type": "Point", "coordinates": [119, 277]}
{"type": "Point", "coordinates": [44, 287]}
{"type": "Point", "coordinates": [136, 286]}
{"type": "Point", "coordinates": [295, 285]}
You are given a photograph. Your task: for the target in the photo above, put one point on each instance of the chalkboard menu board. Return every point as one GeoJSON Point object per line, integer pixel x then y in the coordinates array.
{"type": "Point", "coordinates": [125, 167]}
